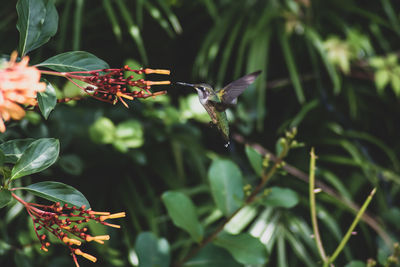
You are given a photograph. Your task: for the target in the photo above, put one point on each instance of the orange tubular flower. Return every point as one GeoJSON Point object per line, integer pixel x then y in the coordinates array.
{"type": "Point", "coordinates": [111, 85]}
{"type": "Point", "coordinates": [19, 84]}
{"type": "Point", "coordinates": [68, 224]}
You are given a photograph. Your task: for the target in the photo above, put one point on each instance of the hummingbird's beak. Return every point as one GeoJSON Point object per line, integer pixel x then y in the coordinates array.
{"type": "Point", "coordinates": [186, 84]}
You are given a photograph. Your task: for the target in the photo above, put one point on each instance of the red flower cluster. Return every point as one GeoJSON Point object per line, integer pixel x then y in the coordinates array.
{"type": "Point", "coordinates": [66, 223]}
{"type": "Point", "coordinates": [110, 85]}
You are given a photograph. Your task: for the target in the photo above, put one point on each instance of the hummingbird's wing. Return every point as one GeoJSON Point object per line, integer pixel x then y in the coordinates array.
{"type": "Point", "coordinates": [229, 93]}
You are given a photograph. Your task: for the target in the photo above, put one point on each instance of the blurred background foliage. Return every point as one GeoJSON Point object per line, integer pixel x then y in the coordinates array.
{"type": "Point", "coordinates": [329, 68]}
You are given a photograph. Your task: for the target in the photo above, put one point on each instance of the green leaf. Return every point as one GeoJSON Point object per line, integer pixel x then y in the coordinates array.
{"type": "Point", "coordinates": [212, 256]}
{"type": "Point", "coordinates": [245, 248]}
{"type": "Point", "coordinates": [173, 19]}
{"type": "Point", "coordinates": [304, 111]}
{"type": "Point", "coordinates": [134, 31]}
{"type": "Point", "coordinates": [226, 185]}
{"type": "Point", "coordinates": [112, 16]}
{"type": "Point", "coordinates": [128, 134]}
{"type": "Point", "coordinates": [183, 213]}
{"type": "Point", "coordinates": [50, 25]}
{"type": "Point", "coordinates": [40, 155]}
{"type": "Point", "coordinates": [152, 251]}
{"type": "Point", "coordinates": [5, 197]}
{"type": "Point", "coordinates": [317, 42]}
{"type": "Point", "coordinates": [291, 65]}
{"type": "Point", "coordinates": [241, 220]}
{"type": "Point", "coordinates": [74, 61]}
{"type": "Point", "coordinates": [382, 77]}
{"type": "Point", "coordinates": [14, 149]}
{"type": "Point", "coordinates": [377, 62]}
{"type": "Point", "coordinates": [102, 131]}
{"type": "Point", "coordinates": [395, 82]}
{"type": "Point", "coordinates": [281, 197]}
{"type": "Point", "coordinates": [2, 158]}
{"type": "Point", "coordinates": [355, 264]}
{"type": "Point", "coordinates": [36, 24]}
{"type": "Point", "coordinates": [156, 14]}
{"type": "Point", "coordinates": [256, 160]}
{"type": "Point", "coordinates": [58, 192]}
{"type": "Point", "coordinates": [5, 247]}
{"type": "Point", "coordinates": [47, 100]}
{"type": "Point", "coordinates": [299, 249]}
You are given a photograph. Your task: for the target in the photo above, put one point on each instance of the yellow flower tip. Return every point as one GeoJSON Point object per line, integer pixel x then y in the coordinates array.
{"type": "Point", "coordinates": [85, 255]}
{"type": "Point", "coordinates": [157, 82]}
{"type": "Point", "coordinates": [123, 102]}
{"type": "Point", "coordinates": [24, 61]}
{"type": "Point", "coordinates": [13, 56]}
{"type": "Point", "coordinates": [75, 242]}
{"type": "Point", "coordinates": [44, 249]}
{"type": "Point", "coordinates": [113, 216]}
{"type": "Point", "coordinates": [71, 241]}
{"type": "Point", "coordinates": [157, 71]}
{"type": "Point", "coordinates": [102, 237]}
{"type": "Point", "coordinates": [98, 239]}
{"type": "Point", "coordinates": [120, 94]}
{"type": "Point", "coordinates": [112, 225]}
{"type": "Point", "coordinates": [117, 215]}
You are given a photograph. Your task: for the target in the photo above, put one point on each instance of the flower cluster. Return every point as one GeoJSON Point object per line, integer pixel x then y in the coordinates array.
{"type": "Point", "coordinates": [67, 223]}
{"type": "Point", "coordinates": [111, 85]}
{"type": "Point", "coordinates": [18, 85]}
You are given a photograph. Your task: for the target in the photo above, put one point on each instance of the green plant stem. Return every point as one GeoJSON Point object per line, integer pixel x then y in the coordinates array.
{"type": "Point", "coordinates": [296, 173]}
{"type": "Point", "coordinates": [313, 210]}
{"type": "Point", "coordinates": [54, 73]}
{"type": "Point", "coordinates": [250, 199]}
{"type": "Point", "coordinates": [266, 177]}
{"type": "Point", "coordinates": [350, 230]}
{"type": "Point", "coordinates": [77, 26]}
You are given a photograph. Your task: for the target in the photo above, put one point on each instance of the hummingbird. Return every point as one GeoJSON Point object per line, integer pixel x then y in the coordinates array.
{"type": "Point", "coordinates": [216, 102]}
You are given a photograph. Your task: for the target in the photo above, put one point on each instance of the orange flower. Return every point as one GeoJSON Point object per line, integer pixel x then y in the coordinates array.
{"type": "Point", "coordinates": [67, 223]}
{"type": "Point", "coordinates": [19, 84]}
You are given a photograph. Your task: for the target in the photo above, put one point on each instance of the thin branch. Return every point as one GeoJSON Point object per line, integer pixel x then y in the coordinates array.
{"type": "Point", "coordinates": [368, 219]}
{"type": "Point", "coordinates": [313, 209]}
{"type": "Point", "coordinates": [250, 199]}
{"type": "Point", "coordinates": [351, 228]}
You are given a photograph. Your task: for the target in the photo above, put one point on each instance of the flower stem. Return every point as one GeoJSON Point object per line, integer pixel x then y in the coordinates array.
{"type": "Point", "coordinates": [313, 213]}
{"type": "Point", "coordinates": [53, 73]}
{"type": "Point", "coordinates": [351, 228]}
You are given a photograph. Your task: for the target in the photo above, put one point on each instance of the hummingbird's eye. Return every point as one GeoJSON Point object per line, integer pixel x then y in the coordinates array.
{"type": "Point", "coordinates": [201, 88]}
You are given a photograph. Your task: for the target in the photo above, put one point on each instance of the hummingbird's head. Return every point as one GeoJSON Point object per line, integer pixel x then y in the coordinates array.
{"type": "Point", "coordinates": [203, 90]}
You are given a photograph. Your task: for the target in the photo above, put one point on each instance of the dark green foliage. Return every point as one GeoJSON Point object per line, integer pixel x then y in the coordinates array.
{"type": "Point", "coordinates": [183, 213]}
{"type": "Point", "coordinates": [58, 192]}
{"type": "Point", "coordinates": [5, 197]}
{"type": "Point", "coordinates": [245, 248]}
{"type": "Point", "coordinates": [47, 100]}
{"type": "Point", "coordinates": [39, 155]}
{"type": "Point", "coordinates": [152, 251]}
{"type": "Point", "coordinates": [37, 23]}
{"type": "Point", "coordinates": [74, 61]}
